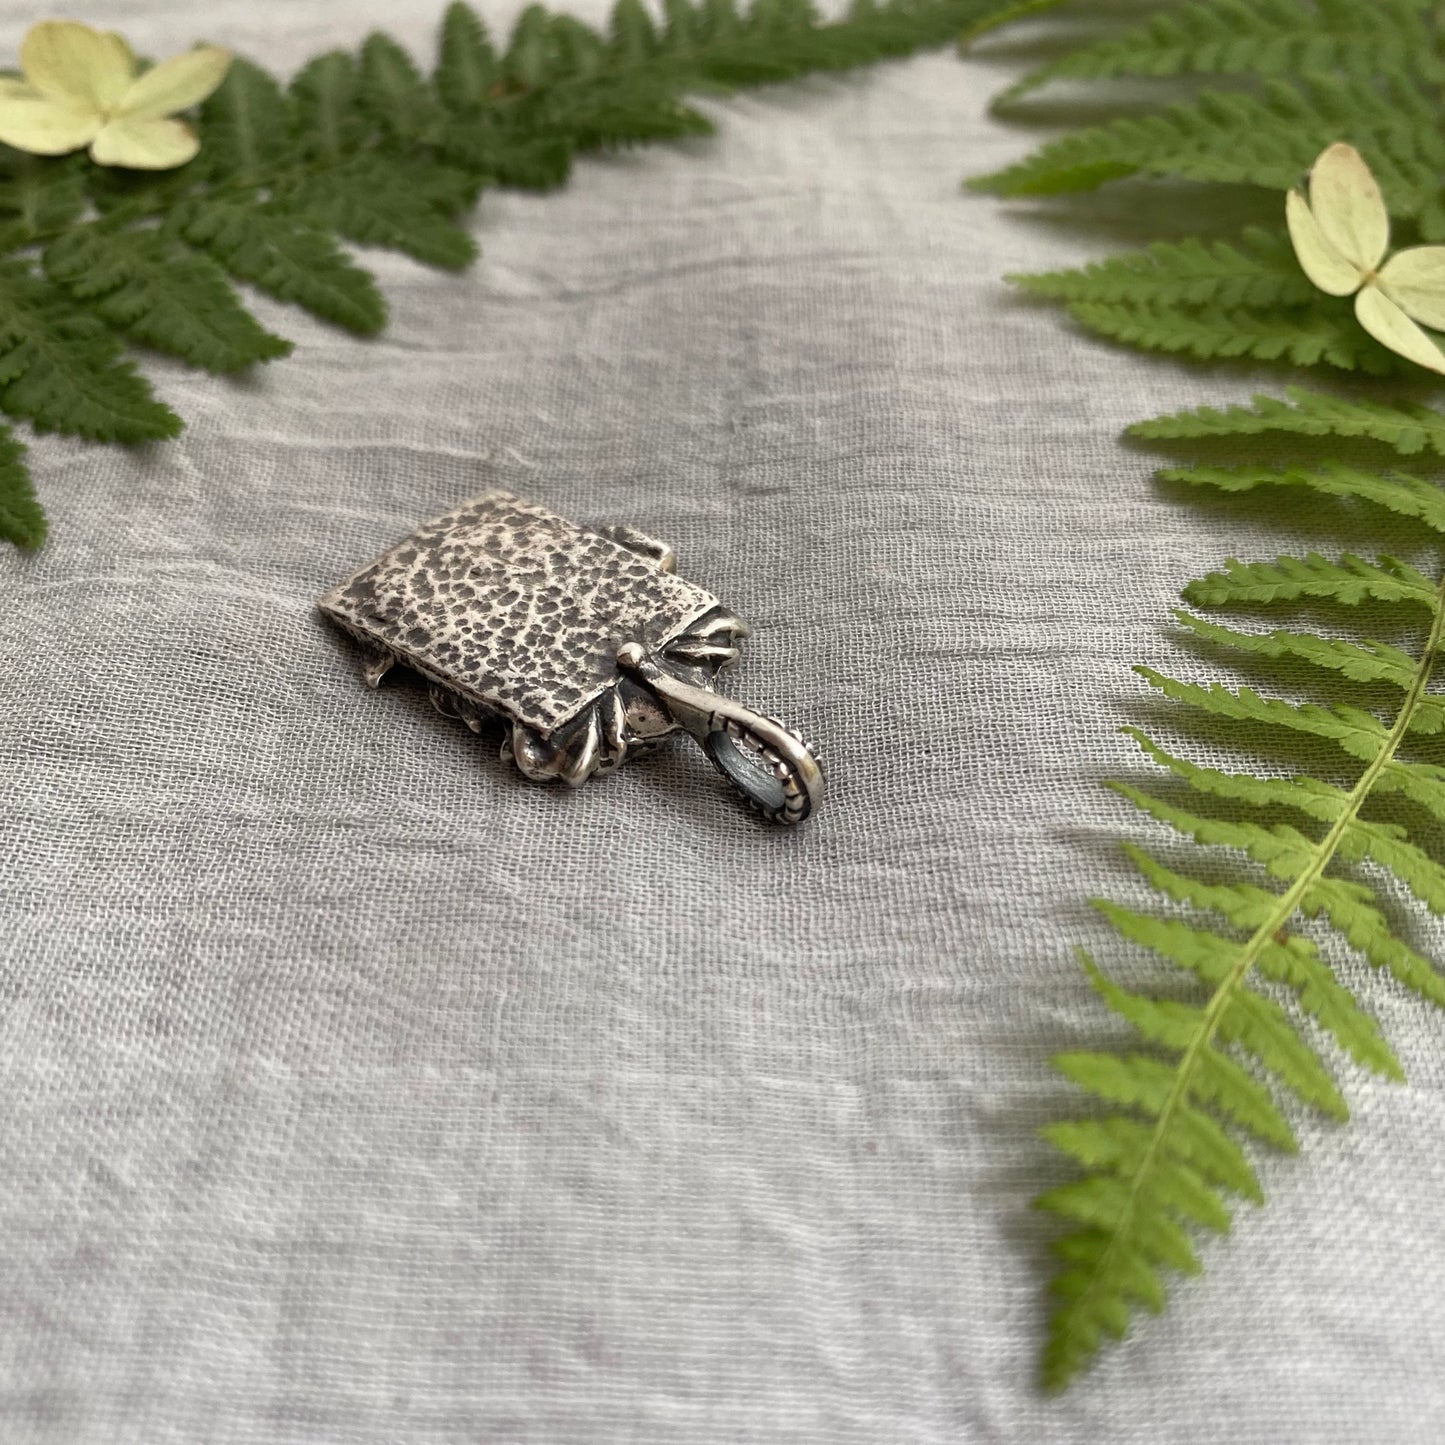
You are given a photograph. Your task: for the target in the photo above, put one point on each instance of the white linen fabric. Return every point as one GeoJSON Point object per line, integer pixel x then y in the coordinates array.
{"type": "Point", "coordinates": [357, 1091]}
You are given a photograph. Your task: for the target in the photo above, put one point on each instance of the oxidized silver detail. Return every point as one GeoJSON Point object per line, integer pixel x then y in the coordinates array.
{"type": "Point", "coordinates": [584, 643]}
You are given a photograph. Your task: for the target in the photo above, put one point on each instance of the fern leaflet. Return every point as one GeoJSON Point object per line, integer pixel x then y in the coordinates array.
{"type": "Point", "coordinates": [1258, 37]}
{"type": "Point", "coordinates": [1307, 336]}
{"type": "Point", "coordinates": [1405, 428]}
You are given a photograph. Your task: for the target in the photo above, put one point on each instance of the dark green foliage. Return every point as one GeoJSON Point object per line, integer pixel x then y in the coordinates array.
{"type": "Point", "coordinates": [466, 63]}
{"type": "Point", "coordinates": [1246, 298]}
{"type": "Point", "coordinates": [1259, 37]}
{"type": "Point", "coordinates": [246, 125]}
{"type": "Point", "coordinates": [1257, 270]}
{"type": "Point", "coordinates": [38, 195]}
{"type": "Point", "coordinates": [153, 287]}
{"type": "Point", "coordinates": [1266, 139]}
{"type": "Point", "coordinates": [1405, 427]}
{"type": "Point", "coordinates": [380, 201]}
{"type": "Point", "coordinates": [285, 255]}
{"type": "Point", "coordinates": [1305, 336]}
{"type": "Point", "coordinates": [59, 367]}
{"type": "Point", "coordinates": [363, 148]}
{"type": "Point", "coordinates": [21, 520]}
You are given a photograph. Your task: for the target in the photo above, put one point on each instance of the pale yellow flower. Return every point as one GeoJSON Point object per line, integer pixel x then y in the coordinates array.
{"type": "Point", "coordinates": [1341, 236]}
{"type": "Point", "coordinates": [81, 89]}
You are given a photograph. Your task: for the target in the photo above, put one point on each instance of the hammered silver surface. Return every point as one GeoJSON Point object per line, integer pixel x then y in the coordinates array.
{"type": "Point", "coordinates": [514, 607]}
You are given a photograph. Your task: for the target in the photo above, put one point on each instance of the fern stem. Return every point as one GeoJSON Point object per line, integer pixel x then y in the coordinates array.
{"type": "Point", "coordinates": [1283, 911]}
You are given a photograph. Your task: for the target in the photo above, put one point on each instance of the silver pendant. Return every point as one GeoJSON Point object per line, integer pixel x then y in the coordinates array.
{"type": "Point", "coordinates": [583, 642]}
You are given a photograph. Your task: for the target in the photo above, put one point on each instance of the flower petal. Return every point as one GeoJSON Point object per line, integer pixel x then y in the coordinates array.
{"type": "Point", "coordinates": [1389, 325]}
{"type": "Point", "coordinates": [176, 84]}
{"type": "Point", "coordinates": [1415, 280]}
{"type": "Point", "coordinates": [1318, 259]}
{"type": "Point", "coordinates": [1347, 203]}
{"type": "Point", "coordinates": [45, 127]}
{"type": "Point", "coordinates": [69, 61]}
{"type": "Point", "coordinates": [13, 89]}
{"type": "Point", "coordinates": [145, 145]}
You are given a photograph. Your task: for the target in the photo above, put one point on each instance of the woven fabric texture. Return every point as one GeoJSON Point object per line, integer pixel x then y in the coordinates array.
{"type": "Point", "coordinates": [357, 1091]}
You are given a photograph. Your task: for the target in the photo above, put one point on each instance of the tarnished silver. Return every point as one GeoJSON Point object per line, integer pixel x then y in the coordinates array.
{"type": "Point", "coordinates": [583, 642]}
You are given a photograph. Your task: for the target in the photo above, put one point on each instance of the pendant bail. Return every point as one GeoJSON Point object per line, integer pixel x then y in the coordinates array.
{"type": "Point", "coordinates": [766, 761]}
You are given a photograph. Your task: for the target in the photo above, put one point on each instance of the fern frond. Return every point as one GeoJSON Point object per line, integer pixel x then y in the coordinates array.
{"type": "Point", "coordinates": [60, 367]}
{"type": "Point", "coordinates": [1395, 491]}
{"type": "Point", "coordinates": [1258, 37]}
{"type": "Point", "coordinates": [1349, 581]}
{"type": "Point", "coordinates": [162, 293]}
{"type": "Point", "coordinates": [1296, 962]}
{"type": "Point", "coordinates": [1307, 336]}
{"type": "Point", "coordinates": [1408, 428]}
{"type": "Point", "coordinates": [1312, 72]}
{"type": "Point", "coordinates": [247, 125]}
{"type": "Point", "coordinates": [1364, 661]}
{"type": "Point", "coordinates": [1269, 139]}
{"type": "Point", "coordinates": [41, 195]}
{"type": "Point", "coordinates": [1260, 270]}
{"type": "Point", "coordinates": [391, 90]}
{"type": "Point", "coordinates": [466, 62]}
{"type": "Point", "coordinates": [21, 519]}
{"type": "Point", "coordinates": [286, 257]}
{"type": "Point", "coordinates": [1320, 800]}
{"type": "Point", "coordinates": [1126, 1202]}
{"type": "Point", "coordinates": [1004, 12]}
{"type": "Point", "coordinates": [1350, 908]}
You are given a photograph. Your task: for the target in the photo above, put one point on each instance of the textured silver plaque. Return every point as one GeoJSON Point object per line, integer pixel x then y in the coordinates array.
{"type": "Point", "coordinates": [583, 642]}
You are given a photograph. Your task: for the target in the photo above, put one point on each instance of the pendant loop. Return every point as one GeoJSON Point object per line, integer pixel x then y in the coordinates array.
{"type": "Point", "coordinates": [768, 763]}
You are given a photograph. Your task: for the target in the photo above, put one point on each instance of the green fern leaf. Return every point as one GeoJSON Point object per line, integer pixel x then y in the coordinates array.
{"type": "Point", "coordinates": [1407, 428]}
{"type": "Point", "coordinates": [163, 294]}
{"type": "Point", "coordinates": [1359, 733]}
{"type": "Point", "coordinates": [1349, 581]}
{"type": "Point", "coordinates": [1117, 1143]}
{"type": "Point", "coordinates": [1260, 270]}
{"type": "Point", "coordinates": [466, 63]}
{"type": "Point", "coordinates": [998, 13]}
{"type": "Point", "coordinates": [509, 154]}
{"type": "Point", "coordinates": [59, 368]}
{"type": "Point", "coordinates": [283, 255]}
{"type": "Point", "coordinates": [42, 194]}
{"type": "Point", "coordinates": [1285, 852]}
{"type": "Point", "coordinates": [1243, 904]}
{"type": "Point", "coordinates": [379, 201]}
{"type": "Point", "coordinates": [1321, 801]}
{"type": "Point", "coordinates": [1329, 72]}
{"type": "Point", "coordinates": [1304, 336]}
{"type": "Point", "coordinates": [532, 56]}
{"type": "Point", "coordinates": [1258, 37]}
{"type": "Point", "coordinates": [328, 114]}
{"type": "Point", "coordinates": [632, 34]}
{"type": "Point", "coordinates": [1396, 492]}
{"type": "Point", "coordinates": [611, 112]}
{"type": "Point", "coordinates": [1239, 137]}
{"type": "Point", "coordinates": [391, 90]}
{"type": "Point", "coordinates": [1351, 909]}
{"type": "Point", "coordinates": [1387, 845]}
{"type": "Point", "coordinates": [1359, 661]}
{"type": "Point", "coordinates": [1123, 1193]}
{"type": "Point", "coordinates": [21, 519]}
{"type": "Point", "coordinates": [1148, 1085]}
{"type": "Point", "coordinates": [1422, 783]}
{"type": "Point", "coordinates": [247, 125]}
